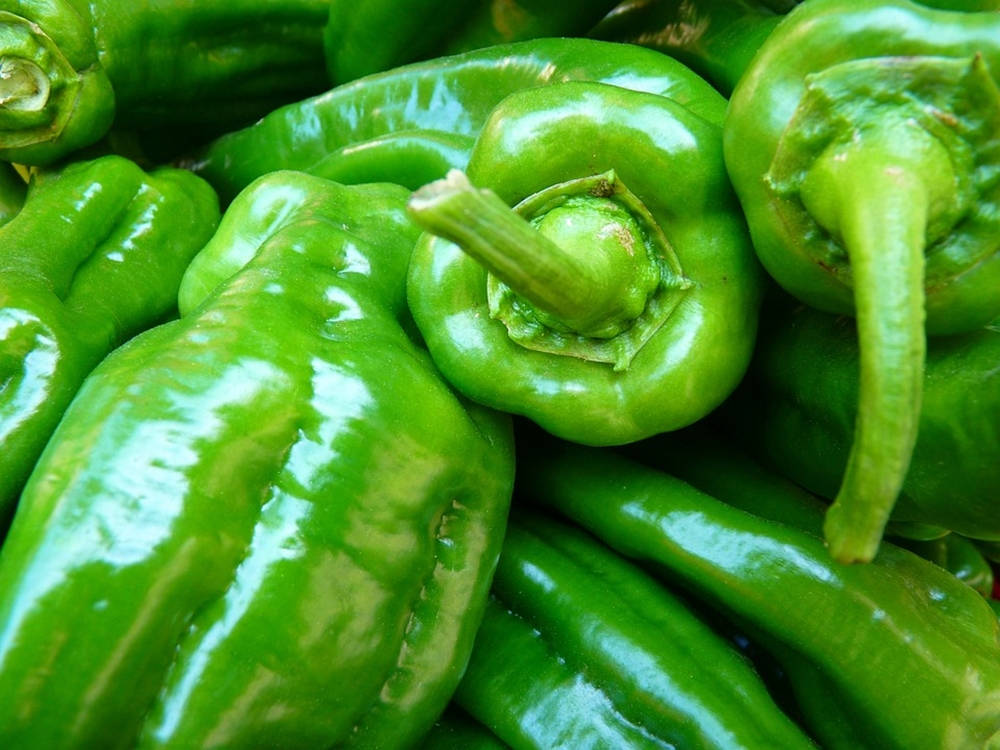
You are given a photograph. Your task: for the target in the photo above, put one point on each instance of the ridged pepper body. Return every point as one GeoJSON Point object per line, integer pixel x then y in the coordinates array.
{"type": "Point", "coordinates": [268, 522]}
{"type": "Point", "coordinates": [95, 256]}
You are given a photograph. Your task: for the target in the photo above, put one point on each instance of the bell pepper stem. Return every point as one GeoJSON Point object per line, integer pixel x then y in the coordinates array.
{"type": "Point", "coordinates": [578, 289]}
{"type": "Point", "coordinates": [880, 207]}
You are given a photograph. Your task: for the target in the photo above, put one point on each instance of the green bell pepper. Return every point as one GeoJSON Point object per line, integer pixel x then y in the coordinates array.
{"type": "Point", "coordinates": [866, 169]}
{"type": "Point", "coordinates": [901, 652]}
{"type": "Point", "coordinates": [579, 648]}
{"type": "Point", "coordinates": [12, 192]}
{"type": "Point", "coordinates": [798, 406]}
{"type": "Point", "coordinates": [267, 523]}
{"type": "Point", "coordinates": [95, 256]}
{"type": "Point", "coordinates": [609, 305]}
{"type": "Point", "coordinates": [424, 117]}
{"type": "Point", "coordinates": [68, 68]}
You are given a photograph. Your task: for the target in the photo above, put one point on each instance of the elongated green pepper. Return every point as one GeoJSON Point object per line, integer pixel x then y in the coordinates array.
{"type": "Point", "coordinates": [797, 409]}
{"type": "Point", "coordinates": [95, 256]}
{"type": "Point", "coordinates": [268, 523]}
{"type": "Point", "coordinates": [69, 69]}
{"type": "Point", "coordinates": [619, 299]}
{"type": "Point", "coordinates": [419, 110]}
{"type": "Point", "coordinates": [910, 653]}
{"type": "Point", "coordinates": [456, 730]}
{"type": "Point", "coordinates": [866, 169]}
{"type": "Point", "coordinates": [581, 649]}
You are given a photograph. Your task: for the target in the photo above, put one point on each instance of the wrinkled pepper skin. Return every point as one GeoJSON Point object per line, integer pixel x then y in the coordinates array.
{"type": "Point", "coordinates": [626, 357]}
{"type": "Point", "coordinates": [12, 192]}
{"type": "Point", "coordinates": [715, 38]}
{"type": "Point", "coordinates": [904, 651]}
{"type": "Point", "coordinates": [95, 256]}
{"type": "Point", "coordinates": [866, 170]}
{"type": "Point", "coordinates": [73, 68]}
{"type": "Point", "coordinates": [268, 523]}
{"type": "Point", "coordinates": [409, 109]}
{"type": "Point", "coordinates": [798, 404]}
{"type": "Point", "coordinates": [579, 649]}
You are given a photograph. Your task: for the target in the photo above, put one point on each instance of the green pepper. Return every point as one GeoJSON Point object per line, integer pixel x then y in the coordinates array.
{"type": "Point", "coordinates": [95, 256]}
{"type": "Point", "coordinates": [429, 108]}
{"type": "Point", "coordinates": [716, 38]}
{"type": "Point", "coordinates": [364, 38]}
{"type": "Point", "coordinates": [12, 192]}
{"type": "Point", "coordinates": [456, 730]}
{"type": "Point", "coordinates": [909, 654]}
{"type": "Point", "coordinates": [579, 648]}
{"type": "Point", "coordinates": [866, 169]}
{"type": "Point", "coordinates": [619, 298]}
{"type": "Point", "coordinates": [268, 523]}
{"type": "Point", "coordinates": [798, 404]}
{"type": "Point", "coordinates": [68, 69]}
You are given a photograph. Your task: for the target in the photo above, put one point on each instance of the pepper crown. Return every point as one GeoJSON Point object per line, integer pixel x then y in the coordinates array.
{"type": "Point", "coordinates": [579, 269]}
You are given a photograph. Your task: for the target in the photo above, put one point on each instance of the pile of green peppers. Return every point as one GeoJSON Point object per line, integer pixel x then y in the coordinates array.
{"type": "Point", "coordinates": [500, 374]}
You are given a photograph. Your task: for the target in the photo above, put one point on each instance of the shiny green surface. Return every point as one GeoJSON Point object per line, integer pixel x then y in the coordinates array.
{"type": "Point", "coordinates": [448, 95]}
{"type": "Point", "coordinates": [268, 522]}
{"type": "Point", "coordinates": [213, 64]}
{"type": "Point", "coordinates": [716, 38]}
{"type": "Point", "coordinates": [911, 653]}
{"type": "Point", "coordinates": [95, 256]}
{"type": "Point", "coordinates": [546, 136]}
{"type": "Point", "coordinates": [866, 172]}
{"type": "Point", "coordinates": [798, 406]}
{"type": "Point", "coordinates": [581, 649]}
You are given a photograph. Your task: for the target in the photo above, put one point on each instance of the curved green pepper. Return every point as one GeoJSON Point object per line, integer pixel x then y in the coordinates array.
{"type": "Point", "coordinates": [619, 299]}
{"type": "Point", "coordinates": [364, 38]}
{"type": "Point", "coordinates": [581, 649]}
{"type": "Point", "coordinates": [12, 192]}
{"type": "Point", "coordinates": [799, 402]}
{"type": "Point", "coordinates": [452, 96]}
{"type": "Point", "coordinates": [68, 69]}
{"type": "Point", "coordinates": [95, 255]}
{"type": "Point", "coordinates": [268, 523]}
{"type": "Point", "coordinates": [716, 38]}
{"type": "Point", "coordinates": [911, 654]}
{"type": "Point", "coordinates": [866, 169]}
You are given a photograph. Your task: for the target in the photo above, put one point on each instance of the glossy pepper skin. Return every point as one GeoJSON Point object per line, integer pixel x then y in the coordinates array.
{"type": "Point", "coordinates": [423, 118]}
{"type": "Point", "coordinates": [364, 38]}
{"type": "Point", "coordinates": [715, 38]}
{"type": "Point", "coordinates": [271, 503]}
{"type": "Point", "coordinates": [620, 299]}
{"type": "Point", "coordinates": [798, 404]}
{"type": "Point", "coordinates": [906, 654]}
{"type": "Point", "coordinates": [72, 68]}
{"type": "Point", "coordinates": [580, 648]}
{"type": "Point", "coordinates": [866, 170]}
{"type": "Point", "coordinates": [94, 256]}
{"type": "Point", "coordinates": [12, 191]}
